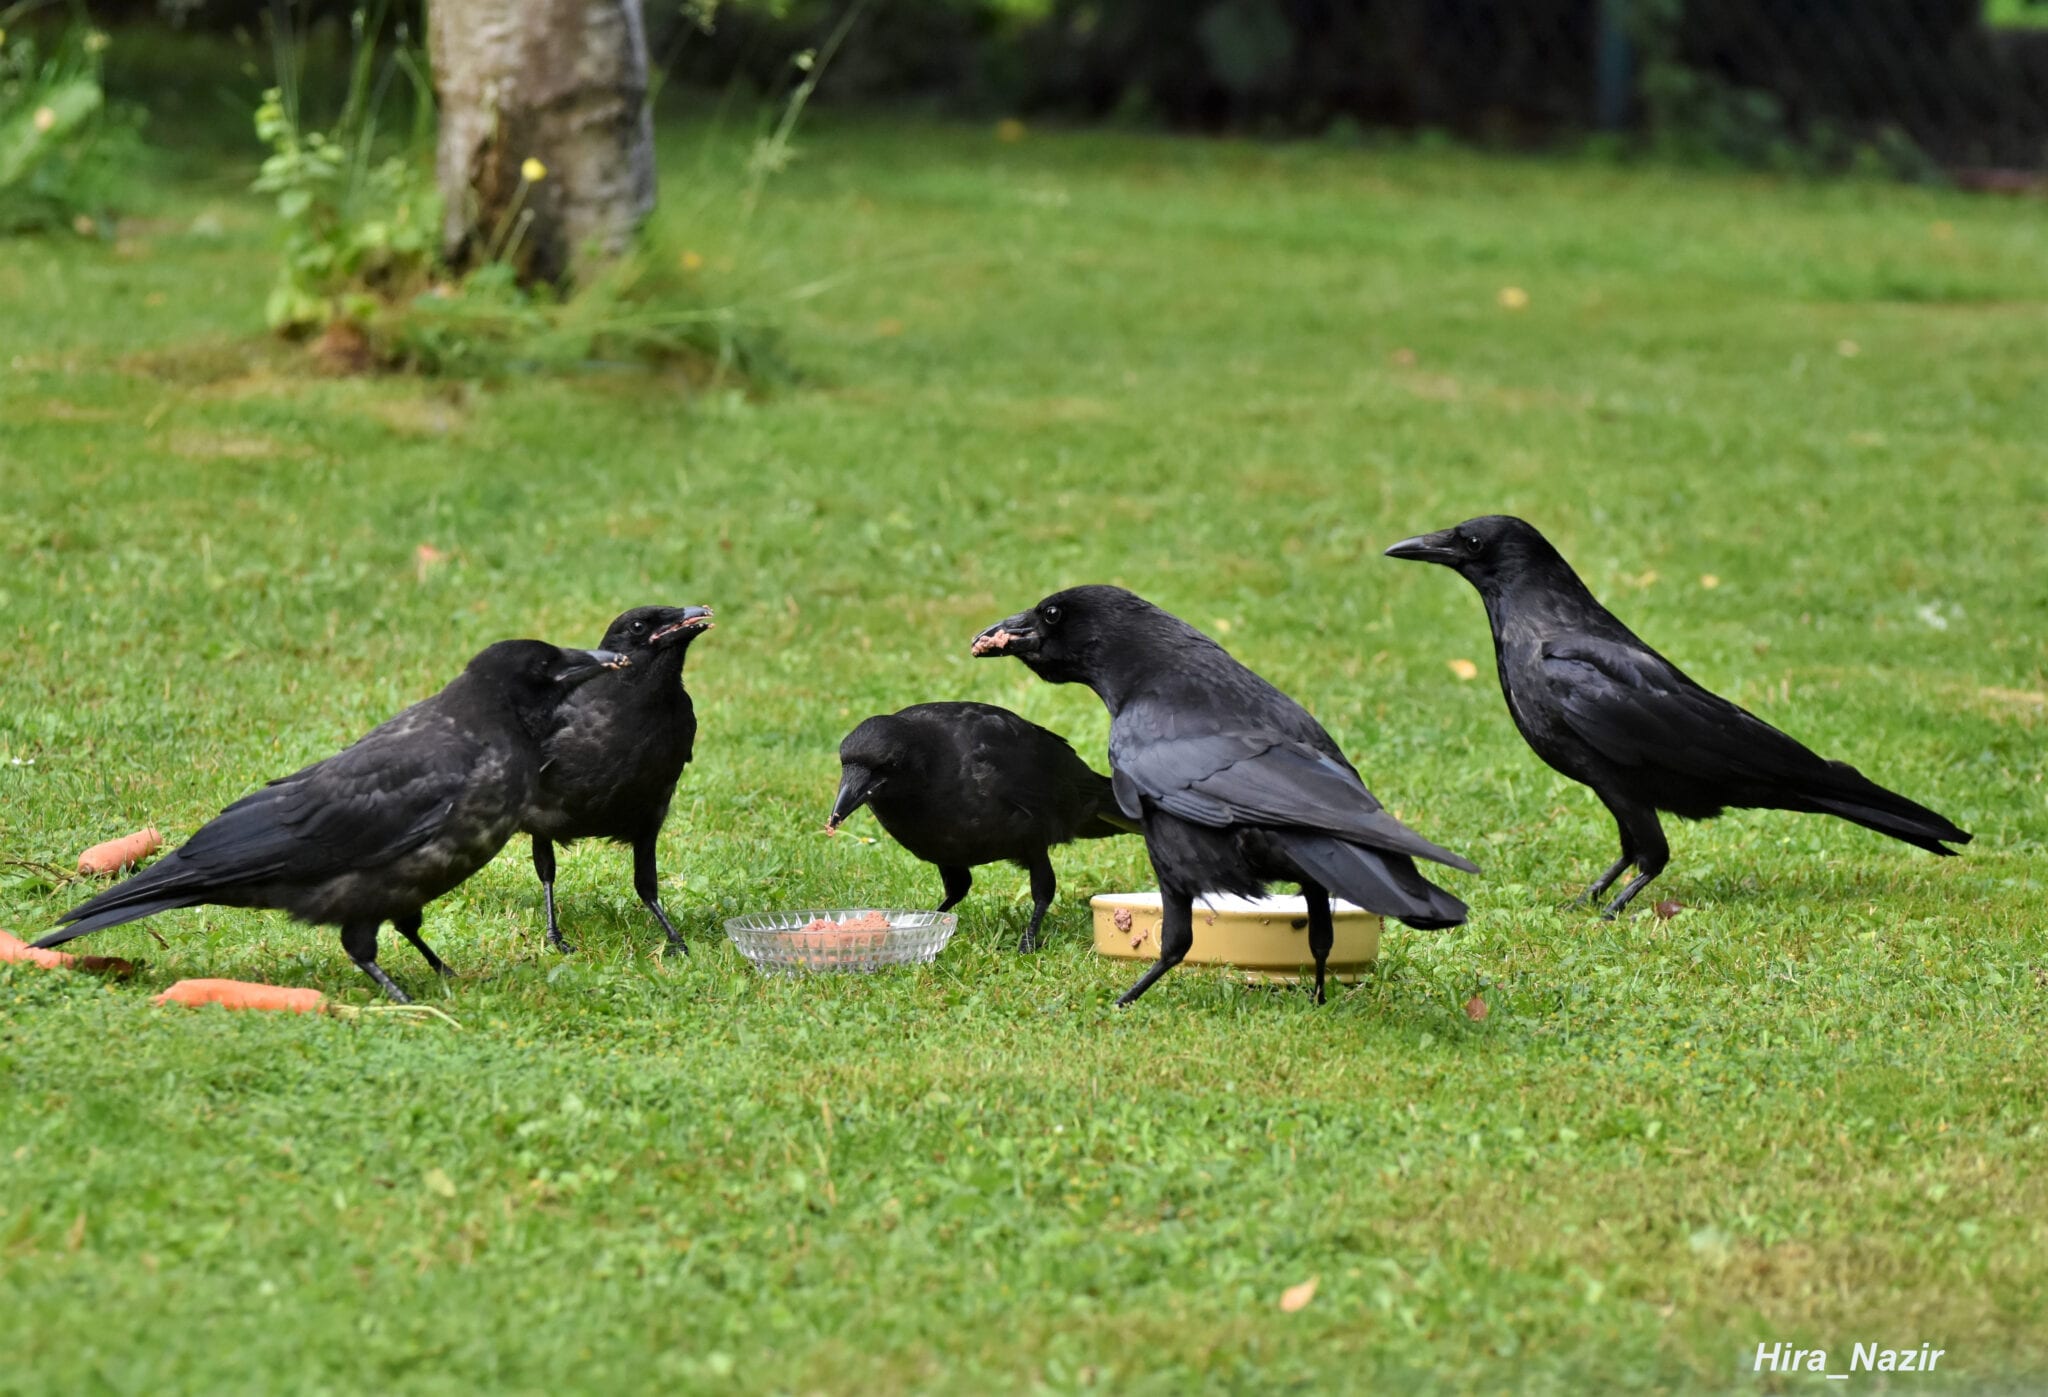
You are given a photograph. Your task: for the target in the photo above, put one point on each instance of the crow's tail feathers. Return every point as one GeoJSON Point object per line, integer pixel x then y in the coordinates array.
{"type": "Point", "coordinates": [1107, 823]}
{"type": "Point", "coordinates": [1374, 879]}
{"type": "Point", "coordinates": [1108, 820]}
{"type": "Point", "coordinates": [164, 885]}
{"type": "Point", "coordinates": [1855, 797]}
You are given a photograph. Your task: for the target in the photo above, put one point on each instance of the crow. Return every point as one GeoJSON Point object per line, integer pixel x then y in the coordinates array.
{"type": "Point", "coordinates": [618, 747]}
{"type": "Point", "coordinates": [380, 829]}
{"type": "Point", "coordinates": [964, 784]}
{"type": "Point", "coordinates": [1608, 711]}
{"type": "Point", "coordinates": [1235, 784]}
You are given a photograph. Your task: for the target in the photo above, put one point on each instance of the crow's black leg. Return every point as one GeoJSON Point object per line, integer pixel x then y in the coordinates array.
{"type": "Point", "coordinates": [1624, 817]}
{"type": "Point", "coordinates": [1652, 853]}
{"type": "Point", "coordinates": [647, 883]}
{"type": "Point", "coordinates": [409, 927]}
{"type": "Point", "coordinates": [359, 939]}
{"type": "Point", "coordinates": [1322, 930]}
{"type": "Point", "coordinates": [1044, 887]}
{"type": "Point", "coordinates": [544, 865]}
{"type": "Point", "coordinates": [1176, 939]}
{"type": "Point", "coordinates": [1605, 880]}
{"type": "Point", "coordinates": [957, 881]}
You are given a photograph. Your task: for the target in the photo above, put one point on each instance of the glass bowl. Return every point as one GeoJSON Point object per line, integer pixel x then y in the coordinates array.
{"type": "Point", "coordinates": [785, 943]}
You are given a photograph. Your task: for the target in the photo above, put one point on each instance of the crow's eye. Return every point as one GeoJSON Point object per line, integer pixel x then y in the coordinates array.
{"type": "Point", "coordinates": [639, 627]}
{"type": "Point", "coordinates": [1472, 543]}
{"type": "Point", "coordinates": [1051, 615]}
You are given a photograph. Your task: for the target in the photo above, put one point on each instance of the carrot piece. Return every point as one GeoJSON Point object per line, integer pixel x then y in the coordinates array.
{"type": "Point", "coordinates": [13, 948]}
{"type": "Point", "coordinates": [243, 994]}
{"type": "Point", "coordinates": [117, 854]}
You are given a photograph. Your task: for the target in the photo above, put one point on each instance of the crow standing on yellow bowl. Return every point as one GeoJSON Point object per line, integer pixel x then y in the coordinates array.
{"type": "Point", "coordinates": [1608, 711]}
{"type": "Point", "coordinates": [964, 784]}
{"type": "Point", "coordinates": [1235, 784]}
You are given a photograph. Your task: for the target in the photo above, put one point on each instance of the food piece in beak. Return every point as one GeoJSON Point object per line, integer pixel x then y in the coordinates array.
{"type": "Point", "coordinates": [696, 618]}
{"type": "Point", "coordinates": [992, 642]}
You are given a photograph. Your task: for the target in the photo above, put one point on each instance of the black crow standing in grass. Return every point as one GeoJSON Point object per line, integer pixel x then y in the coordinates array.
{"type": "Point", "coordinates": [1235, 784]}
{"type": "Point", "coordinates": [964, 784]}
{"type": "Point", "coordinates": [1607, 710]}
{"type": "Point", "coordinates": [618, 747]}
{"type": "Point", "coordinates": [380, 829]}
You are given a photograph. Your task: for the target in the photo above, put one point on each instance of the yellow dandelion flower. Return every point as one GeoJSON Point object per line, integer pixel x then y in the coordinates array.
{"type": "Point", "coordinates": [1513, 298]}
{"type": "Point", "coordinates": [693, 261]}
{"type": "Point", "coordinates": [45, 118]}
{"type": "Point", "coordinates": [1464, 669]}
{"type": "Point", "coordinates": [532, 171]}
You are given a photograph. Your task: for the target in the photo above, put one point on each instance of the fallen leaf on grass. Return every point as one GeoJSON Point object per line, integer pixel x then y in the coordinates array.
{"type": "Point", "coordinates": [1475, 1008]}
{"type": "Point", "coordinates": [1464, 669]}
{"type": "Point", "coordinates": [438, 1182]}
{"type": "Point", "coordinates": [1668, 908]}
{"type": "Point", "coordinates": [1296, 1297]}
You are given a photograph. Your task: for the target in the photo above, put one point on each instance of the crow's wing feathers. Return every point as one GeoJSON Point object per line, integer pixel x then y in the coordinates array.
{"type": "Point", "coordinates": [1637, 710]}
{"type": "Point", "coordinates": [1219, 779]}
{"type": "Point", "coordinates": [364, 806]}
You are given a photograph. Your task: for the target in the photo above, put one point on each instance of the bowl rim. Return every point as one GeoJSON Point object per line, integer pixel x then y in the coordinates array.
{"type": "Point", "coordinates": [1230, 905]}
{"type": "Point", "coordinates": [749, 923]}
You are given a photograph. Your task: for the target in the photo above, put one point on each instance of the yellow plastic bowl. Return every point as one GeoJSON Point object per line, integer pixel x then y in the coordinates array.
{"type": "Point", "coordinates": [1267, 937]}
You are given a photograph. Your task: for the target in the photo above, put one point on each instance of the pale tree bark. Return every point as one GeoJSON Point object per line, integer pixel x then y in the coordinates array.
{"type": "Point", "coordinates": [561, 82]}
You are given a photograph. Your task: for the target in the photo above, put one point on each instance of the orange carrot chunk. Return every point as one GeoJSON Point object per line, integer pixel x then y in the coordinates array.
{"type": "Point", "coordinates": [243, 994]}
{"type": "Point", "coordinates": [117, 854]}
{"type": "Point", "coordinates": [13, 948]}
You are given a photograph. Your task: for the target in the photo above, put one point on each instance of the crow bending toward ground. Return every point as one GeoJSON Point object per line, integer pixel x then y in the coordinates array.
{"type": "Point", "coordinates": [380, 829]}
{"type": "Point", "coordinates": [618, 747]}
{"type": "Point", "coordinates": [1235, 784]}
{"type": "Point", "coordinates": [964, 784]}
{"type": "Point", "coordinates": [1608, 711]}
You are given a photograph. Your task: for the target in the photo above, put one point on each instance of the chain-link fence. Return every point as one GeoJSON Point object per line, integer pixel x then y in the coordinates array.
{"type": "Point", "coordinates": [1953, 82]}
{"type": "Point", "coordinates": [1959, 84]}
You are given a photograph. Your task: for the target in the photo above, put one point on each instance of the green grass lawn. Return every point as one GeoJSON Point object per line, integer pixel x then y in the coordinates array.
{"type": "Point", "coordinates": [1808, 1108]}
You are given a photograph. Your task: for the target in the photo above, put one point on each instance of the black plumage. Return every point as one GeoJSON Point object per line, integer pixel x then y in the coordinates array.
{"type": "Point", "coordinates": [964, 784]}
{"type": "Point", "coordinates": [616, 750]}
{"type": "Point", "coordinates": [1235, 784]}
{"type": "Point", "coordinates": [1605, 709]}
{"type": "Point", "coordinates": [380, 829]}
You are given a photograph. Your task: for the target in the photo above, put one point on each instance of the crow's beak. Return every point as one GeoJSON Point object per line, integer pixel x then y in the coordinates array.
{"type": "Point", "coordinates": [1439, 547]}
{"type": "Point", "coordinates": [580, 666]}
{"type": "Point", "coordinates": [692, 620]}
{"type": "Point", "coordinates": [1016, 636]}
{"type": "Point", "coordinates": [856, 784]}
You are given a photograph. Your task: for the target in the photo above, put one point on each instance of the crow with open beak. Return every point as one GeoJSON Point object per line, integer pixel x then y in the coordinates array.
{"type": "Point", "coordinates": [380, 829]}
{"type": "Point", "coordinates": [615, 753]}
{"type": "Point", "coordinates": [1235, 784]}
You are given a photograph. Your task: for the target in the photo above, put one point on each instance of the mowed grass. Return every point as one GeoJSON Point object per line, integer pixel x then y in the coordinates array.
{"type": "Point", "coordinates": [1810, 1107]}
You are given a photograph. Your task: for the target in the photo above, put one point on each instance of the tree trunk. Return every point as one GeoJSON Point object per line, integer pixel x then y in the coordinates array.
{"type": "Point", "coordinates": [558, 82]}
